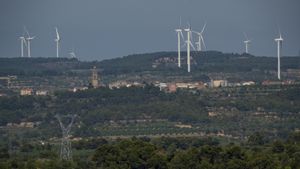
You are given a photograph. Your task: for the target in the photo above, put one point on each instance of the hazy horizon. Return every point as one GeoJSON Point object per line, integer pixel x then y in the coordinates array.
{"type": "Point", "coordinates": [98, 30]}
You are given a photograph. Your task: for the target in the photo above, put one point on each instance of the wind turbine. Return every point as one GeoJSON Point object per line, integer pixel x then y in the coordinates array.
{"type": "Point", "coordinates": [279, 42]}
{"type": "Point", "coordinates": [57, 42]}
{"type": "Point", "coordinates": [247, 42]}
{"type": "Point", "coordinates": [72, 55]}
{"type": "Point", "coordinates": [29, 38]}
{"type": "Point", "coordinates": [179, 36]}
{"type": "Point", "coordinates": [188, 44]}
{"type": "Point", "coordinates": [23, 42]}
{"type": "Point", "coordinates": [200, 39]}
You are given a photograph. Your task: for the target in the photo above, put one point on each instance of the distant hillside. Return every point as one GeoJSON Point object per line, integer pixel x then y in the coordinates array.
{"type": "Point", "coordinates": [36, 66]}
{"type": "Point", "coordinates": [162, 66]}
{"type": "Point", "coordinates": [155, 63]}
{"type": "Point", "coordinates": [210, 61]}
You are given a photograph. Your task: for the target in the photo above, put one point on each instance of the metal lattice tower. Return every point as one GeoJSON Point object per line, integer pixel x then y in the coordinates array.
{"type": "Point", "coordinates": [65, 149]}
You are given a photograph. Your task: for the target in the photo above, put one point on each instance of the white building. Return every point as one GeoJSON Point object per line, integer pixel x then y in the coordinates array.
{"type": "Point", "coordinates": [41, 93]}
{"type": "Point", "coordinates": [219, 83]}
{"type": "Point", "coordinates": [26, 92]}
{"type": "Point", "coordinates": [249, 83]}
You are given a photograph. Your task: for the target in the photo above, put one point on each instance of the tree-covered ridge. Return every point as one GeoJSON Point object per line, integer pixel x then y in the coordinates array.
{"type": "Point", "coordinates": [141, 154]}
{"type": "Point", "coordinates": [166, 62]}
{"type": "Point", "coordinates": [36, 66]}
{"type": "Point", "coordinates": [162, 153]}
{"type": "Point", "coordinates": [210, 61]}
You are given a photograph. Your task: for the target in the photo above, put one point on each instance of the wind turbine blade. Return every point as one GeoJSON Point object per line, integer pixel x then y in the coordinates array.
{"type": "Point", "coordinates": [189, 25]}
{"type": "Point", "coordinates": [246, 36]}
{"type": "Point", "coordinates": [180, 22]}
{"type": "Point", "coordinates": [279, 30]}
{"type": "Point", "coordinates": [202, 39]}
{"type": "Point", "coordinates": [24, 41]}
{"type": "Point", "coordinates": [280, 34]}
{"type": "Point", "coordinates": [203, 28]}
{"type": "Point", "coordinates": [26, 31]}
{"type": "Point", "coordinates": [23, 34]}
{"type": "Point", "coordinates": [191, 35]}
{"type": "Point", "coordinates": [182, 35]}
{"type": "Point", "coordinates": [192, 45]}
{"type": "Point", "coordinates": [57, 34]}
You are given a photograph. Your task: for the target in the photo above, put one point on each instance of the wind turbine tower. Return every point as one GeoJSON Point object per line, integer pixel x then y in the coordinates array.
{"type": "Point", "coordinates": [57, 42]}
{"type": "Point", "coordinates": [247, 42]}
{"type": "Point", "coordinates": [188, 45]}
{"type": "Point", "coordinates": [188, 30]}
{"type": "Point", "coordinates": [29, 38]}
{"type": "Point", "coordinates": [279, 47]}
{"type": "Point", "coordinates": [28, 45]}
{"type": "Point", "coordinates": [23, 42]}
{"type": "Point", "coordinates": [66, 149]}
{"type": "Point", "coordinates": [179, 36]}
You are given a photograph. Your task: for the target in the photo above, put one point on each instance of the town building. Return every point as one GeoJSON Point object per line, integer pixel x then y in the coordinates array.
{"type": "Point", "coordinates": [95, 79]}
{"type": "Point", "coordinates": [218, 83]}
{"type": "Point", "coordinates": [172, 87]}
{"type": "Point", "coordinates": [249, 83]}
{"type": "Point", "coordinates": [26, 92]}
{"type": "Point", "coordinates": [41, 93]}
{"type": "Point", "coordinates": [269, 82]}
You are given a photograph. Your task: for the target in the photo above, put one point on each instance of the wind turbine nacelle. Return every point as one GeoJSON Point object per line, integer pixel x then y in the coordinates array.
{"type": "Point", "coordinates": [279, 39]}
{"type": "Point", "coordinates": [30, 38]}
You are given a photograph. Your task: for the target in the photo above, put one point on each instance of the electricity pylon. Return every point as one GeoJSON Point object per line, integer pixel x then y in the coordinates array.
{"type": "Point", "coordinates": [65, 149]}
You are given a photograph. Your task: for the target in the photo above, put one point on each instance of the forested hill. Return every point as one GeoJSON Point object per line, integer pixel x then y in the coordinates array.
{"type": "Point", "coordinates": [202, 62]}
{"type": "Point", "coordinates": [209, 62]}
{"type": "Point", "coordinates": [36, 66]}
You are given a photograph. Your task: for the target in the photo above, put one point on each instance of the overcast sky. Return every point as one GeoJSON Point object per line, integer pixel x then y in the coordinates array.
{"type": "Point", "coordinates": [101, 29]}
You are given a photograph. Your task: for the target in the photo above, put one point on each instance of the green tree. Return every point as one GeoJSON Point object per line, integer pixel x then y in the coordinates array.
{"type": "Point", "coordinates": [256, 139]}
{"type": "Point", "coordinates": [264, 161]}
{"type": "Point", "coordinates": [277, 147]}
{"type": "Point", "coordinates": [185, 160]}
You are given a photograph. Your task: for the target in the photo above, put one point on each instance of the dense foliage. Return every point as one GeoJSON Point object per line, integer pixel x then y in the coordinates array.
{"type": "Point", "coordinates": [103, 110]}
{"type": "Point", "coordinates": [167, 153]}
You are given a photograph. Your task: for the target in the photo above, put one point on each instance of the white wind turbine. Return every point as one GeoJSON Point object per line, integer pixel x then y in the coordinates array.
{"type": "Point", "coordinates": [72, 54]}
{"type": "Point", "coordinates": [247, 42]}
{"type": "Point", "coordinates": [29, 38]}
{"type": "Point", "coordinates": [279, 47]}
{"type": "Point", "coordinates": [23, 42]}
{"type": "Point", "coordinates": [57, 42]}
{"type": "Point", "coordinates": [200, 39]}
{"type": "Point", "coordinates": [188, 44]}
{"type": "Point", "coordinates": [179, 36]}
